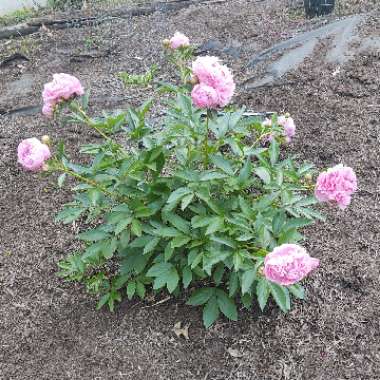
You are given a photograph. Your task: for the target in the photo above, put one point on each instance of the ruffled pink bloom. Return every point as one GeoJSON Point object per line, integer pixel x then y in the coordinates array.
{"type": "Point", "coordinates": [63, 87]}
{"type": "Point", "coordinates": [287, 123]}
{"type": "Point", "coordinates": [288, 264]}
{"type": "Point", "coordinates": [179, 40]}
{"type": "Point", "coordinates": [204, 96]}
{"type": "Point", "coordinates": [32, 154]}
{"type": "Point", "coordinates": [210, 72]}
{"type": "Point", "coordinates": [337, 184]}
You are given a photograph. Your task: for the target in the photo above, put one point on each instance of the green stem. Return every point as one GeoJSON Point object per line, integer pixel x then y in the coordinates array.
{"type": "Point", "coordinates": [86, 180]}
{"type": "Point", "coordinates": [92, 125]}
{"type": "Point", "coordinates": [205, 141]}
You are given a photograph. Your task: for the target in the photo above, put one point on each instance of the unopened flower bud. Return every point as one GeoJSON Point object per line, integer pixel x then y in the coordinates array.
{"type": "Point", "coordinates": [287, 115]}
{"type": "Point", "coordinates": [45, 139]}
{"type": "Point", "coordinates": [260, 271]}
{"type": "Point", "coordinates": [45, 167]}
{"type": "Point", "coordinates": [308, 178]}
{"type": "Point", "coordinates": [194, 80]}
{"type": "Point", "coordinates": [166, 43]}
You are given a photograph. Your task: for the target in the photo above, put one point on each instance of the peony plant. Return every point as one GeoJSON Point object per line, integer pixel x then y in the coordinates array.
{"type": "Point", "coordinates": [209, 204]}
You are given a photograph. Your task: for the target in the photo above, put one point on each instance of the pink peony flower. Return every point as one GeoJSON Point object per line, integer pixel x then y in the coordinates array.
{"type": "Point", "coordinates": [179, 40]}
{"type": "Point", "coordinates": [210, 72]}
{"type": "Point", "coordinates": [63, 87]}
{"type": "Point", "coordinates": [287, 123]}
{"type": "Point", "coordinates": [32, 154]}
{"type": "Point", "coordinates": [288, 264]}
{"type": "Point", "coordinates": [204, 96]}
{"type": "Point", "coordinates": [337, 184]}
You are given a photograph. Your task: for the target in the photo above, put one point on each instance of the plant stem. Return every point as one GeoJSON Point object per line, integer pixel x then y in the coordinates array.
{"type": "Point", "coordinates": [92, 125]}
{"type": "Point", "coordinates": [205, 141]}
{"type": "Point", "coordinates": [86, 180]}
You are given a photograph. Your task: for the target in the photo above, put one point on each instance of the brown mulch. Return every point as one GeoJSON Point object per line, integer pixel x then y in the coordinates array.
{"type": "Point", "coordinates": [50, 329]}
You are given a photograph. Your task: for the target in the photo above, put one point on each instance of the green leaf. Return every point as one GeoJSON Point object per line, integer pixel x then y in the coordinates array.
{"type": "Point", "coordinates": [216, 224]}
{"type": "Point", "coordinates": [186, 200]}
{"type": "Point", "coordinates": [180, 241]}
{"type": "Point", "coordinates": [122, 225]}
{"type": "Point", "coordinates": [131, 289]}
{"type": "Point", "coordinates": [178, 222]}
{"type": "Point", "coordinates": [197, 260]}
{"type": "Point", "coordinates": [263, 174]}
{"type": "Point", "coordinates": [168, 253]}
{"type": "Point", "coordinates": [246, 299]}
{"type": "Point", "coordinates": [209, 176]}
{"type": "Point", "coordinates": [220, 162]}
{"type": "Point", "coordinates": [69, 214]}
{"type": "Point", "coordinates": [167, 232]}
{"type": "Point", "coordinates": [297, 290]}
{"type": "Point", "coordinates": [223, 240]}
{"type": "Point", "coordinates": [172, 280]}
{"type": "Point", "coordinates": [103, 300]}
{"type": "Point", "coordinates": [281, 296]}
{"type": "Point", "coordinates": [297, 223]}
{"type": "Point", "coordinates": [178, 194]}
{"type": "Point", "coordinates": [226, 305]}
{"type": "Point", "coordinates": [218, 273]}
{"type": "Point", "coordinates": [274, 152]}
{"type": "Point", "coordinates": [136, 227]}
{"type": "Point", "coordinates": [210, 312]}
{"type": "Point", "coordinates": [124, 238]}
{"type": "Point", "coordinates": [278, 222]}
{"type": "Point", "coordinates": [233, 284]}
{"type": "Point", "coordinates": [141, 241]}
{"type": "Point", "coordinates": [199, 221]}
{"type": "Point", "coordinates": [245, 172]}
{"type": "Point", "coordinates": [247, 280]}
{"type": "Point", "coordinates": [251, 151]}
{"type": "Point", "coordinates": [159, 269]}
{"type": "Point", "coordinates": [140, 289]}
{"type": "Point", "coordinates": [61, 179]}
{"type": "Point", "coordinates": [262, 292]}
{"type": "Point", "coordinates": [93, 235]}
{"type": "Point", "coordinates": [187, 276]}
{"type": "Point", "coordinates": [151, 245]}
{"type": "Point", "coordinates": [200, 296]}
{"type": "Point", "coordinates": [110, 248]}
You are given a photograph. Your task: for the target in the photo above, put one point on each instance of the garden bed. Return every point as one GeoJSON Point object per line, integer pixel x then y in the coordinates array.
{"type": "Point", "coordinates": [50, 329]}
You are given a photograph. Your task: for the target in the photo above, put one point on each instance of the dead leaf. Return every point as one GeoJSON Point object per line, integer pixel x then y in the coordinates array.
{"type": "Point", "coordinates": [178, 330]}
{"type": "Point", "coordinates": [235, 353]}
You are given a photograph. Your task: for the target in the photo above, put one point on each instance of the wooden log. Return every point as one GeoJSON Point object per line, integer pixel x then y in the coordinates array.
{"type": "Point", "coordinates": [34, 24]}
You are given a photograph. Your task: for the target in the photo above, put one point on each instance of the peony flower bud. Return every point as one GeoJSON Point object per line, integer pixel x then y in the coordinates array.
{"type": "Point", "coordinates": [45, 139]}
{"type": "Point", "coordinates": [166, 43]}
{"type": "Point", "coordinates": [179, 40]}
{"type": "Point", "coordinates": [194, 80]}
{"type": "Point", "coordinates": [308, 178]}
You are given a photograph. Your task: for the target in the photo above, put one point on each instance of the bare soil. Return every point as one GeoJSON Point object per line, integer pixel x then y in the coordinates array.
{"type": "Point", "coordinates": [50, 329]}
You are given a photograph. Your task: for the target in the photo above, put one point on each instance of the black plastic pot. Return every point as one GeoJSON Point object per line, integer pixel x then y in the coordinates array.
{"type": "Point", "coordinates": [315, 8]}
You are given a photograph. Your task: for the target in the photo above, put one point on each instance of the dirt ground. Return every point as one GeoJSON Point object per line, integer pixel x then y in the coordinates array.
{"type": "Point", "coordinates": [50, 329]}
